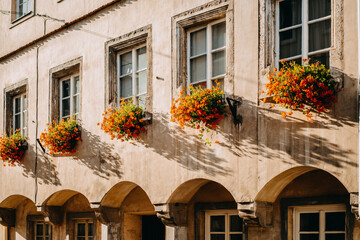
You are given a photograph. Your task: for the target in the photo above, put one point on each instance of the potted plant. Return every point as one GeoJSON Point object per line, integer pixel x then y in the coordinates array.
{"type": "Point", "coordinates": [125, 122]}
{"type": "Point", "coordinates": [201, 109]}
{"type": "Point", "coordinates": [61, 138]}
{"type": "Point", "coordinates": [308, 88]}
{"type": "Point", "coordinates": [12, 148]}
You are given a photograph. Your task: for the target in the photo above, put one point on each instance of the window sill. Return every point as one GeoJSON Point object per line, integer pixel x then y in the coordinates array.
{"type": "Point", "coordinates": [22, 19]}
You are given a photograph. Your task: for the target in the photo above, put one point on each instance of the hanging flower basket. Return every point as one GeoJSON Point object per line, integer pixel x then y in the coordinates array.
{"type": "Point", "coordinates": [202, 109]}
{"type": "Point", "coordinates": [125, 122]}
{"type": "Point", "coordinates": [61, 138]}
{"type": "Point", "coordinates": [12, 148]}
{"type": "Point", "coordinates": [308, 88]}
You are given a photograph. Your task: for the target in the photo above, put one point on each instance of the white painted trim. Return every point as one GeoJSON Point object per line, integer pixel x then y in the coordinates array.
{"type": "Point", "coordinates": [70, 78]}
{"type": "Point", "coordinates": [226, 214]}
{"type": "Point", "coordinates": [23, 110]}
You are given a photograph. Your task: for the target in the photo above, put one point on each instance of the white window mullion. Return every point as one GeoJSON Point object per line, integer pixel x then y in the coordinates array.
{"type": "Point", "coordinates": [277, 35]}
{"type": "Point", "coordinates": [133, 76]}
{"type": "Point", "coordinates": [188, 80]}
{"type": "Point", "coordinates": [71, 96]}
{"type": "Point", "coordinates": [305, 29]}
{"type": "Point", "coordinates": [209, 56]}
{"type": "Point", "coordinates": [21, 114]}
{"type": "Point", "coordinates": [322, 225]}
{"type": "Point", "coordinates": [118, 80]}
{"type": "Point", "coordinates": [61, 100]}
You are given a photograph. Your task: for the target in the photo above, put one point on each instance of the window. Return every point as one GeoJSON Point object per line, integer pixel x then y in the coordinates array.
{"type": "Point", "coordinates": [19, 113]}
{"type": "Point", "coordinates": [23, 7]}
{"type": "Point", "coordinates": [84, 229]}
{"type": "Point", "coordinates": [206, 54]}
{"type": "Point", "coordinates": [42, 231]}
{"type": "Point", "coordinates": [69, 96]}
{"type": "Point", "coordinates": [319, 222]}
{"type": "Point", "coordinates": [304, 30]}
{"type": "Point", "coordinates": [223, 225]}
{"type": "Point", "coordinates": [132, 75]}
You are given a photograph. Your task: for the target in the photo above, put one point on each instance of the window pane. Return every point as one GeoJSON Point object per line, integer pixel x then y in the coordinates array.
{"type": "Point", "coordinates": [24, 120]}
{"type": "Point", "coordinates": [65, 88]}
{"type": "Point", "coordinates": [218, 64]}
{"type": "Point", "coordinates": [125, 87]}
{"type": "Point", "coordinates": [141, 58]}
{"type": "Point", "coordinates": [39, 230]}
{"type": "Point", "coordinates": [24, 103]}
{"type": "Point", "coordinates": [322, 58]}
{"type": "Point", "coordinates": [65, 107]}
{"type": "Point", "coordinates": [297, 60]}
{"type": "Point", "coordinates": [219, 35]}
{"type": "Point", "coordinates": [39, 238]}
{"type": "Point", "coordinates": [47, 230]}
{"type": "Point", "coordinates": [217, 237]}
{"type": "Point", "coordinates": [309, 236]}
{"type": "Point", "coordinates": [290, 13]}
{"type": "Point", "coordinates": [76, 104]}
{"type": "Point", "coordinates": [198, 42]}
{"type": "Point", "coordinates": [141, 82]}
{"type": "Point", "coordinates": [17, 105]}
{"type": "Point", "coordinates": [198, 69]}
{"type": "Point", "coordinates": [90, 229]}
{"type": "Point", "coordinates": [236, 237]}
{"type": "Point", "coordinates": [309, 222]}
{"type": "Point", "coordinates": [81, 229]}
{"type": "Point", "coordinates": [236, 224]}
{"type": "Point", "coordinates": [336, 236]}
{"type": "Point", "coordinates": [319, 8]}
{"type": "Point", "coordinates": [319, 35]}
{"type": "Point", "coordinates": [335, 221]}
{"type": "Point", "coordinates": [17, 122]}
{"type": "Point", "coordinates": [290, 43]}
{"type": "Point", "coordinates": [80, 238]}
{"type": "Point", "coordinates": [76, 85]}
{"type": "Point", "coordinates": [125, 63]}
{"type": "Point", "coordinates": [217, 223]}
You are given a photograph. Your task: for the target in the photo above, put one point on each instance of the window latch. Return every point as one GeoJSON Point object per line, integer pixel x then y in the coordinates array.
{"type": "Point", "coordinates": [234, 103]}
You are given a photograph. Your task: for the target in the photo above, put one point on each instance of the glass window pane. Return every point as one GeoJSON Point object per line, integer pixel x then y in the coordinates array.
{"type": "Point", "coordinates": [236, 237]}
{"type": "Point", "coordinates": [125, 87]}
{"type": "Point", "coordinates": [17, 105]}
{"type": "Point", "coordinates": [17, 122]}
{"type": "Point", "coordinates": [24, 120]}
{"type": "Point", "coordinates": [47, 229]}
{"type": "Point", "coordinates": [309, 222]}
{"type": "Point", "coordinates": [80, 238]}
{"type": "Point", "coordinates": [335, 221]}
{"type": "Point", "coordinates": [76, 104]}
{"type": "Point", "coordinates": [217, 223]}
{"type": "Point", "coordinates": [290, 43]}
{"type": "Point", "coordinates": [39, 238]}
{"type": "Point", "coordinates": [309, 236]}
{"type": "Point", "coordinates": [198, 69]}
{"type": "Point", "coordinates": [219, 35]}
{"type": "Point", "coordinates": [290, 13]}
{"type": "Point", "coordinates": [319, 9]}
{"type": "Point", "coordinates": [39, 229]}
{"type": "Point", "coordinates": [65, 88]}
{"type": "Point", "coordinates": [319, 35]}
{"type": "Point", "coordinates": [65, 107]}
{"type": "Point", "coordinates": [24, 103]}
{"type": "Point", "coordinates": [141, 82]}
{"type": "Point", "coordinates": [125, 63]}
{"type": "Point", "coordinates": [76, 85]}
{"type": "Point", "coordinates": [217, 237]}
{"type": "Point", "coordinates": [90, 229]}
{"type": "Point", "coordinates": [236, 224]}
{"type": "Point", "coordinates": [335, 236]}
{"type": "Point", "coordinates": [198, 42]}
{"type": "Point", "coordinates": [218, 63]}
{"type": "Point", "coordinates": [322, 58]}
{"type": "Point", "coordinates": [81, 229]}
{"type": "Point", "coordinates": [141, 58]}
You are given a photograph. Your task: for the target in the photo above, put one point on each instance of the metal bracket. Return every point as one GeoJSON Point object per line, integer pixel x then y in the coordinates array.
{"type": "Point", "coordinates": [234, 104]}
{"type": "Point", "coordinates": [42, 148]}
{"type": "Point", "coordinates": [148, 118]}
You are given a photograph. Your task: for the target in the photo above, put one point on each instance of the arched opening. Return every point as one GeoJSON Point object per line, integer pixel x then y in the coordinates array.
{"type": "Point", "coordinates": [211, 210]}
{"type": "Point", "coordinates": [128, 208]}
{"type": "Point", "coordinates": [308, 203]}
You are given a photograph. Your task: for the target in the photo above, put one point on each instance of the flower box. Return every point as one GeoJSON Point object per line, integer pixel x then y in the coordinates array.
{"type": "Point", "coordinates": [12, 148]}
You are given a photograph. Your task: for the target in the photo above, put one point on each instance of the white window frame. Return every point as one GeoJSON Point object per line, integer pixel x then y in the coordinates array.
{"type": "Point", "coordinates": [44, 236]}
{"type": "Point", "coordinates": [133, 73]}
{"type": "Point", "coordinates": [22, 113]}
{"type": "Point", "coordinates": [227, 214]}
{"type": "Point", "coordinates": [26, 8]}
{"type": "Point", "coordinates": [304, 33]}
{"type": "Point", "coordinates": [86, 221]}
{"type": "Point", "coordinates": [209, 52]}
{"type": "Point", "coordinates": [71, 96]}
{"type": "Point", "coordinates": [321, 209]}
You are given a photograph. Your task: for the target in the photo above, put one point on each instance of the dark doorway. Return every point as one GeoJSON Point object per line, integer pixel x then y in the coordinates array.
{"type": "Point", "coordinates": [152, 228]}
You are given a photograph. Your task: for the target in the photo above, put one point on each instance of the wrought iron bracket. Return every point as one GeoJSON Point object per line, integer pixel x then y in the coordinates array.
{"type": "Point", "coordinates": [234, 104]}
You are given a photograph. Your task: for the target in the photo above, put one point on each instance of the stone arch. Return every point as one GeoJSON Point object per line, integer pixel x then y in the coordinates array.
{"type": "Point", "coordinates": [273, 188]}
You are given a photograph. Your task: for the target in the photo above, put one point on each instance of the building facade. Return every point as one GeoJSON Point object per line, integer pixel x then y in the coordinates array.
{"type": "Point", "coordinates": [267, 178]}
